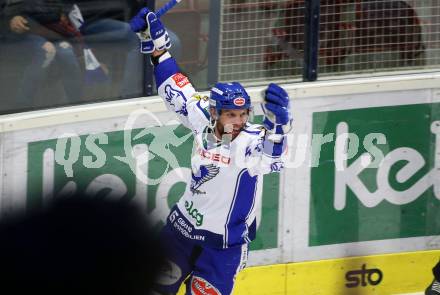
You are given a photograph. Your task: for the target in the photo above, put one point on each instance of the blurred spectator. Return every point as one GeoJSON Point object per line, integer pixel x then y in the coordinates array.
{"type": "Point", "coordinates": [377, 27]}
{"type": "Point", "coordinates": [39, 36]}
{"type": "Point", "coordinates": [42, 32]}
{"type": "Point", "coordinates": [28, 23]}
{"type": "Point", "coordinates": [79, 245]}
{"type": "Point", "coordinates": [35, 50]}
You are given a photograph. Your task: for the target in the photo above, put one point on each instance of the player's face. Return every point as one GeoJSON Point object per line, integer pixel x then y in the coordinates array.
{"type": "Point", "coordinates": [231, 122]}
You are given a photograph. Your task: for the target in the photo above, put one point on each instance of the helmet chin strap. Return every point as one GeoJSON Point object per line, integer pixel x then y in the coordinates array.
{"type": "Point", "coordinates": [212, 125]}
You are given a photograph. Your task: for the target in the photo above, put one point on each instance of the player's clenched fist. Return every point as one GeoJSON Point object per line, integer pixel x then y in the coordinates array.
{"type": "Point", "coordinates": [150, 30]}
{"type": "Point", "coordinates": [278, 119]}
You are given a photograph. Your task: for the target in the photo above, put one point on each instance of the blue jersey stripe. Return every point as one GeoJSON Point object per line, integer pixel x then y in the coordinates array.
{"type": "Point", "coordinates": [225, 237]}
{"type": "Point", "coordinates": [253, 202]}
{"type": "Point", "coordinates": [241, 204]}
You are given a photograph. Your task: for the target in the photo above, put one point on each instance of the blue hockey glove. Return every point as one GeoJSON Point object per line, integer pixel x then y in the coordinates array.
{"type": "Point", "coordinates": [138, 23]}
{"type": "Point", "coordinates": [278, 119]}
{"type": "Point", "coordinates": [158, 33]}
{"type": "Point", "coordinates": [147, 45]}
{"type": "Point", "coordinates": [150, 30]}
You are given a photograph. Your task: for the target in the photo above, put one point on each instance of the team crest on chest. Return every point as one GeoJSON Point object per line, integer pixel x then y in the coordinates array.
{"type": "Point", "coordinates": [204, 174]}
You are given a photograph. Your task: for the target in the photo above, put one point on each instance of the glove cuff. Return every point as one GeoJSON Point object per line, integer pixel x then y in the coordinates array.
{"type": "Point", "coordinates": [274, 147]}
{"type": "Point", "coordinates": [155, 60]}
{"type": "Point", "coordinates": [162, 42]}
{"type": "Point", "coordinates": [275, 138]}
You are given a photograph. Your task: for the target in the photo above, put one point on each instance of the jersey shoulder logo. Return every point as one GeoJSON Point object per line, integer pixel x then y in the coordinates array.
{"type": "Point", "coordinates": [204, 174]}
{"type": "Point", "coordinates": [172, 95]}
{"type": "Point", "coordinates": [180, 79]}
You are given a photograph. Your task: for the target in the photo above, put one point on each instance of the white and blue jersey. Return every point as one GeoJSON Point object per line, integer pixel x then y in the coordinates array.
{"type": "Point", "coordinates": [218, 206]}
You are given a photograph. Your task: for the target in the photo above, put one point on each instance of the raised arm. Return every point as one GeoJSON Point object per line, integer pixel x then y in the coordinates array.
{"type": "Point", "coordinates": [277, 122]}
{"type": "Point", "coordinates": [178, 93]}
{"type": "Point", "coordinates": [173, 86]}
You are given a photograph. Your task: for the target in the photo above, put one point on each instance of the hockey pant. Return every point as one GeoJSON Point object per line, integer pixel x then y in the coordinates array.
{"type": "Point", "coordinates": [436, 271]}
{"type": "Point", "coordinates": [205, 270]}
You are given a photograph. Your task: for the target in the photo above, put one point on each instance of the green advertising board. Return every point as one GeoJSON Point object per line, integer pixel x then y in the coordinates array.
{"type": "Point", "coordinates": [388, 185]}
{"type": "Point", "coordinates": [103, 160]}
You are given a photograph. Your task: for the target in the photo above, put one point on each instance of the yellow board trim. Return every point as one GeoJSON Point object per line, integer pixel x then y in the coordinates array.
{"type": "Point", "coordinates": [402, 273]}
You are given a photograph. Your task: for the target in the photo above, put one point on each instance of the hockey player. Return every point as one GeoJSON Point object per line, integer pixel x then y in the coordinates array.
{"type": "Point", "coordinates": [208, 231]}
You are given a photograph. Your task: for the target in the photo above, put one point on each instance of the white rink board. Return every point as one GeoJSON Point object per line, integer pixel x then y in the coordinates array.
{"type": "Point", "coordinates": [297, 194]}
